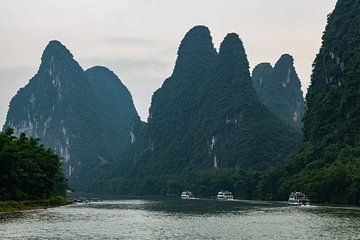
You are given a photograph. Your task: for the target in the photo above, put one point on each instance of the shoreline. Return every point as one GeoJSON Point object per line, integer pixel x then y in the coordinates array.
{"type": "Point", "coordinates": [19, 206]}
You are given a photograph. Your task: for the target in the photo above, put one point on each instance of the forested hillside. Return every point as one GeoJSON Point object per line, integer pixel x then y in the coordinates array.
{"type": "Point", "coordinates": [327, 163]}
{"type": "Point", "coordinates": [28, 170]}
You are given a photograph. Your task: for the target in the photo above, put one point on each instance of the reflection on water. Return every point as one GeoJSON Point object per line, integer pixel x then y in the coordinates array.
{"type": "Point", "coordinates": [182, 219]}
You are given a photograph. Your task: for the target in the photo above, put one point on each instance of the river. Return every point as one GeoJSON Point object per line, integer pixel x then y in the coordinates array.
{"type": "Point", "coordinates": [182, 219]}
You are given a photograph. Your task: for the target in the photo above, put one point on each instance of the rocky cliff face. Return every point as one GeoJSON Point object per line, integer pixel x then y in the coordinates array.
{"type": "Point", "coordinates": [62, 107]}
{"type": "Point", "coordinates": [279, 89]}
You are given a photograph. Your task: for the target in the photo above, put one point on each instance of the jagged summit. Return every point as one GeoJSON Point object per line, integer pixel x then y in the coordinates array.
{"type": "Point", "coordinates": [100, 68]}
{"type": "Point", "coordinates": [260, 74]}
{"type": "Point", "coordinates": [287, 58]}
{"type": "Point", "coordinates": [57, 61]}
{"type": "Point", "coordinates": [107, 84]}
{"type": "Point", "coordinates": [285, 66]}
{"type": "Point", "coordinates": [261, 67]}
{"type": "Point", "coordinates": [55, 48]}
{"type": "Point", "coordinates": [107, 75]}
{"type": "Point", "coordinates": [232, 56]}
{"type": "Point", "coordinates": [196, 49]}
{"type": "Point", "coordinates": [231, 44]}
{"type": "Point", "coordinates": [196, 40]}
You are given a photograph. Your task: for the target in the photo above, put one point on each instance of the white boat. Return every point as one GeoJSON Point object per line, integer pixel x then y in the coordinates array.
{"type": "Point", "coordinates": [298, 199]}
{"type": "Point", "coordinates": [224, 195]}
{"type": "Point", "coordinates": [187, 195]}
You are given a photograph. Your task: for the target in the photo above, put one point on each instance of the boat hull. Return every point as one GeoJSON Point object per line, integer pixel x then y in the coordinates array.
{"type": "Point", "coordinates": [298, 203]}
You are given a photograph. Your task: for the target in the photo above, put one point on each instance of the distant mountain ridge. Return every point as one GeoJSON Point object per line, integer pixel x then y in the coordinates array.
{"type": "Point", "coordinates": [279, 89]}
{"type": "Point", "coordinates": [62, 105]}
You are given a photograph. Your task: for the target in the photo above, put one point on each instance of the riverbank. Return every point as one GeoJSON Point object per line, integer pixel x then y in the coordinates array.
{"type": "Point", "coordinates": [13, 206]}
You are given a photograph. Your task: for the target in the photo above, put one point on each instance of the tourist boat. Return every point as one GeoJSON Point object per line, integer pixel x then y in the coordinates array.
{"type": "Point", "coordinates": [298, 199]}
{"type": "Point", "coordinates": [187, 195]}
{"type": "Point", "coordinates": [224, 195]}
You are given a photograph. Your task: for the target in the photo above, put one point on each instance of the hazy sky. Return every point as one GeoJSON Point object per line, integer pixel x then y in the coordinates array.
{"type": "Point", "coordinates": [138, 39]}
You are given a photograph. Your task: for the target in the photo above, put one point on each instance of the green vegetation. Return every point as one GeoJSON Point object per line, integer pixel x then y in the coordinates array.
{"type": "Point", "coordinates": [28, 171]}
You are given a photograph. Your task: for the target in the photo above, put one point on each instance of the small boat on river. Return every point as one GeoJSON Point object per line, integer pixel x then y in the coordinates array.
{"type": "Point", "coordinates": [298, 199]}
{"type": "Point", "coordinates": [224, 195]}
{"type": "Point", "coordinates": [187, 195]}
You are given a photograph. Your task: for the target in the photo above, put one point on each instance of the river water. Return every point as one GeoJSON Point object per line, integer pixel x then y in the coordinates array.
{"type": "Point", "coordinates": [182, 219]}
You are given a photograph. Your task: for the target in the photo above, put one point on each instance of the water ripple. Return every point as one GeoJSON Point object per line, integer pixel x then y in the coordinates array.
{"type": "Point", "coordinates": [175, 219]}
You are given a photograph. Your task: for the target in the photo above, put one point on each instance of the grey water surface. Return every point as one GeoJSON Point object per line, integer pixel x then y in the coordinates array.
{"type": "Point", "coordinates": [182, 219]}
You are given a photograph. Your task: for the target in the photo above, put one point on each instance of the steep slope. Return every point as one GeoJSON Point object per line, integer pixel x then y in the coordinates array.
{"type": "Point", "coordinates": [58, 106]}
{"type": "Point", "coordinates": [327, 165]}
{"type": "Point", "coordinates": [173, 115]}
{"type": "Point", "coordinates": [116, 108]}
{"type": "Point", "coordinates": [279, 88]}
{"type": "Point", "coordinates": [67, 112]}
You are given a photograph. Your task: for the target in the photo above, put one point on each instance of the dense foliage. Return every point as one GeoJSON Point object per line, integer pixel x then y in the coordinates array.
{"type": "Point", "coordinates": [28, 171]}
{"type": "Point", "coordinates": [279, 89]}
{"type": "Point", "coordinates": [327, 164]}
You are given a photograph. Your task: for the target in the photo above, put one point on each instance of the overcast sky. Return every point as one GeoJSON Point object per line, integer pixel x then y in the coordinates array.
{"type": "Point", "coordinates": [138, 39]}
